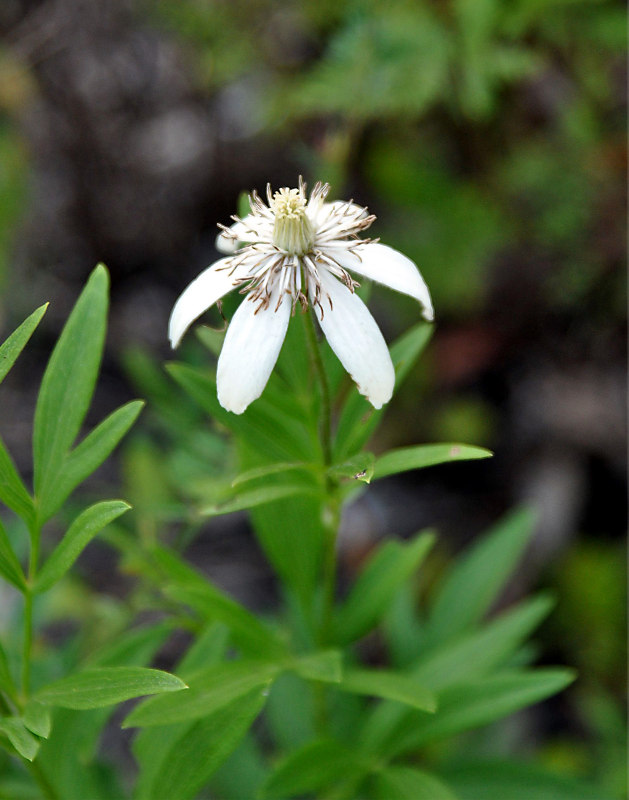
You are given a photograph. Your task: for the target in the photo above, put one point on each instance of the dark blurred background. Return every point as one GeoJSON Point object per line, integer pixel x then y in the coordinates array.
{"type": "Point", "coordinates": [489, 139]}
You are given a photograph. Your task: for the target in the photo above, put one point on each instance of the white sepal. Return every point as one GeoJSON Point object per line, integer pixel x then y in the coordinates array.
{"type": "Point", "coordinates": [355, 338]}
{"type": "Point", "coordinates": [252, 344]}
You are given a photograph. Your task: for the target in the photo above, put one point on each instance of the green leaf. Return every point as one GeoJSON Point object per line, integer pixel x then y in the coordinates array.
{"type": "Point", "coordinates": [477, 703]}
{"type": "Point", "coordinates": [67, 386]}
{"type": "Point", "coordinates": [519, 781]}
{"type": "Point", "coordinates": [92, 451]}
{"type": "Point", "coordinates": [37, 718]}
{"type": "Point", "coordinates": [377, 584]}
{"type": "Point", "coordinates": [78, 536]}
{"type": "Point", "coordinates": [271, 469]}
{"type": "Point", "coordinates": [358, 468]}
{"type": "Point", "coordinates": [13, 493]}
{"type": "Point", "coordinates": [406, 783]}
{"type": "Point", "coordinates": [358, 419]}
{"type": "Point", "coordinates": [105, 686]}
{"type": "Point", "coordinates": [474, 654]}
{"type": "Point", "coordinates": [251, 635]}
{"type": "Point", "coordinates": [256, 497]}
{"type": "Point", "coordinates": [10, 568]}
{"type": "Point", "coordinates": [210, 689]}
{"type": "Point", "coordinates": [404, 459]}
{"type": "Point", "coordinates": [24, 742]}
{"type": "Point", "coordinates": [313, 768]}
{"type": "Point", "coordinates": [326, 666]}
{"type": "Point", "coordinates": [476, 579]}
{"type": "Point", "coordinates": [13, 346]}
{"type": "Point", "coordinates": [460, 659]}
{"type": "Point", "coordinates": [389, 685]}
{"type": "Point", "coordinates": [182, 772]}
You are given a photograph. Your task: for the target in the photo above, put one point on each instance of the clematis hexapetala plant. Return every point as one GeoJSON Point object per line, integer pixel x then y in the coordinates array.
{"type": "Point", "coordinates": [298, 251]}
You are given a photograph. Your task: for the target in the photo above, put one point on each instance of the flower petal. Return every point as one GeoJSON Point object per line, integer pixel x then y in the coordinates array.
{"type": "Point", "coordinates": [247, 230]}
{"type": "Point", "coordinates": [198, 296]}
{"type": "Point", "coordinates": [356, 339]}
{"type": "Point", "coordinates": [250, 350]}
{"type": "Point", "coordinates": [387, 266]}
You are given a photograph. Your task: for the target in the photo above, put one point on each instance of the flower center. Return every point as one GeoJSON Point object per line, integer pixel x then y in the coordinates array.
{"type": "Point", "coordinates": [292, 229]}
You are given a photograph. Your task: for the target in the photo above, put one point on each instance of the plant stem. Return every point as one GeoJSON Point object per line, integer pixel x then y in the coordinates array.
{"type": "Point", "coordinates": [41, 779]}
{"type": "Point", "coordinates": [325, 428]}
{"type": "Point", "coordinates": [35, 535]}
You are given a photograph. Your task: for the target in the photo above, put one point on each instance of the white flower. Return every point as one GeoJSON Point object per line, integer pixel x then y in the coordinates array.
{"type": "Point", "coordinates": [298, 250]}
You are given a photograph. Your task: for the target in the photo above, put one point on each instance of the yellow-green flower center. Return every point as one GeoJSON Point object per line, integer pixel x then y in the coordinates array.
{"type": "Point", "coordinates": [292, 229]}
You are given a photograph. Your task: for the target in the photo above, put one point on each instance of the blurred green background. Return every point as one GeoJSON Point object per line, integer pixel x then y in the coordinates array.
{"type": "Point", "coordinates": [489, 139]}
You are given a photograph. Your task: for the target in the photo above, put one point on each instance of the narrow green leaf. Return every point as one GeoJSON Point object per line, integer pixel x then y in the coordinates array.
{"type": "Point", "coordinates": [358, 468]}
{"type": "Point", "coordinates": [474, 654]}
{"type": "Point", "coordinates": [67, 386]}
{"type": "Point", "coordinates": [519, 781]}
{"type": "Point", "coordinates": [78, 536]}
{"type": "Point", "coordinates": [476, 579]}
{"type": "Point", "coordinates": [24, 742]}
{"type": "Point", "coordinates": [13, 493]}
{"type": "Point", "coordinates": [92, 451]}
{"type": "Point", "coordinates": [271, 469]}
{"type": "Point", "coordinates": [358, 419]}
{"type": "Point", "coordinates": [182, 771]}
{"type": "Point", "coordinates": [37, 718]}
{"type": "Point", "coordinates": [10, 568]}
{"type": "Point", "coordinates": [389, 685]}
{"type": "Point", "coordinates": [256, 497]}
{"type": "Point", "coordinates": [105, 686]}
{"type": "Point", "coordinates": [377, 584]}
{"type": "Point", "coordinates": [407, 783]}
{"type": "Point", "coordinates": [404, 459]}
{"type": "Point", "coordinates": [133, 647]}
{"type": "Point", "coordinates": [313, 768]}
{"type": "Point", "coordinates": [326, 666]}
{"type": "Point", "coordinates": [248, 632]}
{"type": "Point", "coordinates": [478, 703]}
{"type": "Point", "coordinates": [210, 689]}
{"type": "Point", "coordinates": [13, 346]}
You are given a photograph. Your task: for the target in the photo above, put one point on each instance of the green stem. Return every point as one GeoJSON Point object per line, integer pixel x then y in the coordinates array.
{"type": "Point", "coordinates": [325, 429]}
{"type": "Point", "coordinates": [44, 784]}
{"type": "Point", "coordinates": [27, 645]}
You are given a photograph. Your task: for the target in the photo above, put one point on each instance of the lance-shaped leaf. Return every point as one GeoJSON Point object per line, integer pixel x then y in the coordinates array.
{"type": "Point", "coordinates": [92, 451]}
{"type": "Point", "coordinates": [389, 685]}
{"type": "Point", "coordinates": [67, 386]}
{"type": "Point", "coordinates": [257, 497]}
{"type": "Point", "coordinates": [78, 536]}
{"type": "Point", "coordinates": [210, 689]}
{"type": "Point", "coordinates": [13, 346]}
{"type": "Point", "coordinates": [37, 718]}
{"type": "Point", "coordinates": [20, 737]}
{"type": "Point", "coordinates": [408, 783]}
{"type": "Point", "coordinates": [404, 459]}
{"type": "Point", "coordinates": [182, 772]}
{"type": "Point", "coordinates": [106, 686]}
{"type": "Point", "coordinates": [272, 469]}
{"type": "Point", "coordinates": [377, 584]}
{"type": "Point", "coordinates": [314, 768]}
{"type": "Point", "coordinates": [476, 704]}
{"type": "Point", "coordinates": [10, 568]}
{"type": "Point", "coordinates": [476, 579]}
{"type": "Point", "coordinates": [13, 493]}
{"type": "Point", "coordinates": [325, 666]}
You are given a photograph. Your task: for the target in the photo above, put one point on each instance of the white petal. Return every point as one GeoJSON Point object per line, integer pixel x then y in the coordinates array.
{"type": "Point", "coordinates": [247, 230]}
{"type": "Point", "coordinates": [356, 339]}
{"type": "Point", "coordinates": [198, 296]}
{"type": "Point", "coordinates": [352, 212]}
{"type": "Point", "coordinates": [250, 350]}
{"type": "Point", "coordinates": [389, 267]}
